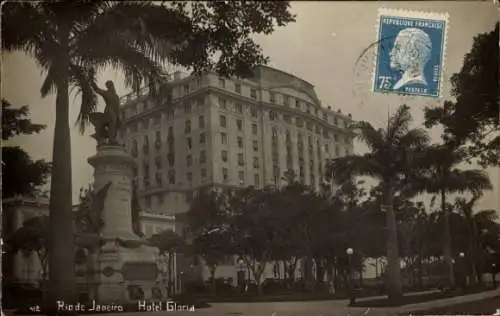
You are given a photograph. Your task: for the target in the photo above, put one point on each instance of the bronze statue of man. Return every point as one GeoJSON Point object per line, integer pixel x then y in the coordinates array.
{"type": "Point", "coordinates": [111, 111]}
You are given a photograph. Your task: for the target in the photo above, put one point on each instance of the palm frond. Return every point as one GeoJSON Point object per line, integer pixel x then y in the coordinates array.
{"type": "Point", "coordinates": [369, 135]}
{"type": "Point", "coordinates": [460, 181]}
{"type": "Point", "coordinates": [49, 83]}
{"type": "Point", "coordinates": [345, 168]}
{"type": "Point", "coordinates": [81, 79]}
{"type": "Point", "coordinates": [399, 123]}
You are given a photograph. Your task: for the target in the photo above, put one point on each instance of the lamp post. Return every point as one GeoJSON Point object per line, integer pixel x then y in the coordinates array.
{"type": "Point", "coordinates": [349, 252]}
{"type": "Point", "coordinates": [463, 271]}
{"type": "Point", "coordinates": [241, 275]}
{"type": "Point", "coordinates": [494, 275]}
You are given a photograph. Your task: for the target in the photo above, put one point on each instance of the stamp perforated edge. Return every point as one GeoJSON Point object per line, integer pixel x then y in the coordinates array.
{"type": "Point", "coordinates": [443, 16]}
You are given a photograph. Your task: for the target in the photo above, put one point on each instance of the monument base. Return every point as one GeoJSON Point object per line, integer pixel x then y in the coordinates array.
{"type": "Point", "coordinates": [129, 274]}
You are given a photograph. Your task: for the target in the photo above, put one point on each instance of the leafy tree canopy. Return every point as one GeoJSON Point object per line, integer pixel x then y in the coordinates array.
{"type": "Point", "coordinates": [21, 175]}
{"type": "Point", "coordinates": [473, 118]}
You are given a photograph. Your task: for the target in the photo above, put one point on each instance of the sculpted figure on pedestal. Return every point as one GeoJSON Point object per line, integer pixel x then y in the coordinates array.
{"type": "Point", "coordinates": [107, 124]}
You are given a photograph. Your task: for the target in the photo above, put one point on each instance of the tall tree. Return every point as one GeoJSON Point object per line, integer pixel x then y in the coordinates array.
{"type": "Point", "coordinates": [32, 237]}
{"type": "Point", "coordinates": [73, 42]}
{"type": "Point", "coordinates": [443, 177]}
{"type": "Point", "coordinates": [473, 118]}
{"type": "Point", "coordinates": [168, 243]}
{"type": "Point", "coordinates": [391, 161]}
{"type": "Point", "coordinates": [208, 218]}
{"type": "Point", "coordinates": [20, 174]}
{"type": "Point", "coordinates": [475, 222]}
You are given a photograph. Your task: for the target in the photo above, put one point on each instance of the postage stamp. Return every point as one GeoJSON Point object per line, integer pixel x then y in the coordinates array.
{"type": "Point", "coordinates": [410, 52]}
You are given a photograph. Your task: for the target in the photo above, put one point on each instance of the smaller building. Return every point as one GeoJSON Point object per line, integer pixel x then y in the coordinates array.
{"type": "Point", "coordinates": [25, 267]}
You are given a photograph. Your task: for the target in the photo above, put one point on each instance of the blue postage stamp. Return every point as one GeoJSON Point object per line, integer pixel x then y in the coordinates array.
{"type": "Point", "coordinates": [410, 52]}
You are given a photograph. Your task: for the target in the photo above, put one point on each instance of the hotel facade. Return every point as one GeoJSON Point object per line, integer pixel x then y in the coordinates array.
{"type": "Point", "coordinates": [228, 133]}
{"type": "Point", "coordinates": [211, 132]}
{"type": "Point", "coordinates": [220, 132]}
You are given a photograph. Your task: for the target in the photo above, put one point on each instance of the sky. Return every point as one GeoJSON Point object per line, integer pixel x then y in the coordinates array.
{"type": "Point", "coordinates": [321, 47]}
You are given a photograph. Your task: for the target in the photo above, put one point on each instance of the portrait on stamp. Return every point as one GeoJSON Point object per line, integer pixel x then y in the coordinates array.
{"type": "Point", "coordinates": [410, 52]}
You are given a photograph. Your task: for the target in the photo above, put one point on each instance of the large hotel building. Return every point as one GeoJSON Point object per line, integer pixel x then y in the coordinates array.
{"type": "Point", "coordinates": [215, 132]}
{"type": "Point", "coordinates": [229, 133]}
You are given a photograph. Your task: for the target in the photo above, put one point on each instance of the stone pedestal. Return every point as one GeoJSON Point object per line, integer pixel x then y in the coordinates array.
{"type": "Point", "coordinates": [123, 260]}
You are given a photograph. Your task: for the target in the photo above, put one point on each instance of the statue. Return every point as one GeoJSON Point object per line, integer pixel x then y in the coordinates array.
{"type": "Point", "coordinates": [107, 124]}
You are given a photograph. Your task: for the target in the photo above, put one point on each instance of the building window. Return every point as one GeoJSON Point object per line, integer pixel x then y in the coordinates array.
{"type": "Point", "coordinates": [327, 150]}
{"type": "Point", "coordinates": [309, 126]}
{"type": "Point", "coordinates": [240, 141]}
{"type": "Point", "coordinates": [253, 111]}
{"type": "Point", "coordinates": [187, 108]}
{"type": "Point", "coordinates": [274, 132]}
{"type": "Point", "coordinates": [189, 160]}
{"type": "Point", "coordinates": [239, 125]}
{"type": "Point", "coordinates": [222, 120]}
{"type": "Point", "coordinates": [222, 103]}
{"type": "Point", "coordinates": [171, 176]}
{"type": "Point", "coordinates": [297, 104]}
{"type": "Point", "coordinates": [253, 93]}
{"type": "Point", "coordinates": [203, 156]}
{"type": "Point", "coordinates": [273, 115]}
{"type": "Point", "coordinates": [161, 199]}
{"type": "Point", "coordinates": [272, 97]}
{"type": "Point", "coordinates": [189, 177]}
{"type": "Point", "coordinates": [239, 108]}
{"type": "Point", "coordinates": [237, 88]}
{"type": "Point", "coordinates": [287, 118]}
{"type": "Point", "coordinates": [158, 179]}
{"type": "Point", "coordinates": [254, 129]}
{"type": "Point", "coordinates": [223, 138]}
{"type": "Point", "coordinates": [256, 179]}
{"type": "Point", "coordinates": [255, 145]}
{"type": "Point", "coordinates": [171, 159]}
{"type": "Point", "coordinates": [241, 176]}
{"type": "Point", "coordinates": [201, 122]}
{"type": "Point", "coordinates": [241, 161]}
{"type": "Point", "coordinates": [222, 83]}
{"type": "Point", "coordinates": [187, 126]}
{"type": "Point", "coordinates": [225, 176]}
{"type": "Point", "coordinates": [286, 100]}
{"type": "Point", "coordinates": [256, 162]}
{"type": "Point", "coordinates": [148, 201]}
{"type": "Point", "coordinates": [336, 137]}
{"type": "Point", "coordinates": [337, 151]}
{"type": "Point", "coordinates": [189, 143]}
{"type": "Point", "coordinates": [186, 89]}
{"type": "Point", "coordinates": [202, 138]}
{"type": "Point", "coordinates": [203, 173]}
{"type": "Point", "coordinates": [223, 155]}
{"type": "Point", "coordinates": [299, 122]}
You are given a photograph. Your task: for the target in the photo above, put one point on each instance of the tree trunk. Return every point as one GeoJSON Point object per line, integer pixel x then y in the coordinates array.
{"type": "Point", "coordinates": [394, 287]}
{"type": "Point", "coordinates": [420, 272]}
{"type": "Point", "coordinates": [61, 248]}
{"type": "Point", "coordinates": [447, 240]}
{"type": "Point", "coordinates": [212, 277]}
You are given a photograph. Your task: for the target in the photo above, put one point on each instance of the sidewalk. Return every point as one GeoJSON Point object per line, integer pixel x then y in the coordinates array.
{"type": "Point", "coordinates": [435, 304]}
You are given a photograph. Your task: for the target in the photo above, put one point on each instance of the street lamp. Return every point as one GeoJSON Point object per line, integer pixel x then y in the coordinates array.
{"type": "Point", "coordinates": [494, 275]}
{"type": "Point", "coordinates": [463, 272]}
{"type": "Point", "coordinates": [349, 252]}
{"type": "Point", "coordinates": [241, 274]}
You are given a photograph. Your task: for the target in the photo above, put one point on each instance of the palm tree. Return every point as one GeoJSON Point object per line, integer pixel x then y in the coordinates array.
{"type": "Point", "coordinates": [389, 160]}
{"type": "Point", "coordinates": [67, 42]}
{"type": "Point", "coordinates": [72, 43]}
{"type": "Point", "coordinates": [442, 177]}
{"type": "Point", "coordinates": [475, 222]}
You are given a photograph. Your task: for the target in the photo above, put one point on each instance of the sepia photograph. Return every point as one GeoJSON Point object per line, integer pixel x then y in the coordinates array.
{"type": "Point", "coordinates": [274, 158]}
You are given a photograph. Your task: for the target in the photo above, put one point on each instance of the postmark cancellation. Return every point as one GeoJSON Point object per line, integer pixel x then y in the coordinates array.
{"type": "Point", "coordinates": [410, 52]}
